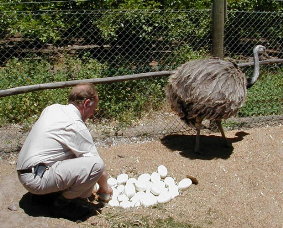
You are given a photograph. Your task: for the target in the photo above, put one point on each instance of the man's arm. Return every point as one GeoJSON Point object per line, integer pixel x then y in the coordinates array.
{"type": "Point", "coordinates": [104, 187]}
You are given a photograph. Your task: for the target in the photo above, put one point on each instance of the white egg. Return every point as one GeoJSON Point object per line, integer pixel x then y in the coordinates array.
{"type": "Point", "coordinates": [156, 188]}
{"type": "Point", "coordinates": [115, 192]}
{"type": "Point", "coordinates": [164, 191]}
{"type": "Point", "coordinates": [185, 183]}
{"type": "Point", "coordinates": [164, 197]}
{"type": "Point", "coordinates": [122, 178]}
{"type": "Point", "coordinates": [114, 197]}
{"type": "Point", "coordinates": [173, 191]}
{"type": "Point", "coordinates": [146, 190]}
{"type": "Point", "coordinates": [141, 185]}
{"type": "Point", "coordinates": [148, 200]}
{"type": "Point", "coordinates": [140, 194]}
{"type": "Point", "coordinates": [161, 184]}
{"type": "Point", "coordinates": [121, 189]}
{"type": "Point", "coordinates": [125, 204]}
{"type": "Point", "coordinates": [130, 190]}
{"type": "Point", "coordinates": [122, 197]}
{"type": "Point", "coordinates": [136, 204]}
{"type": "Point", "coordinates": [114, 203]}
{"type": "Point", "coordinates": [148, 186]}
{"type": "Point", "coordinates": [169, 181]}
{"type": "Point", "coordinates": [135, 198]}
{"type": "Point", "coordinates": [144, 177]}
{"type": "Point", "coordinates": [172, 185]}
{"type": "Point", "coordinates": [154, 200]}
{"type": "Point", "coordinates": [155, 177]}
{"type": "Point", "coordinates": [112, 181]}
{"type": "Point", "coordinates": [131, 180]}
{"type": "Point", "coordinates": [162, 170]}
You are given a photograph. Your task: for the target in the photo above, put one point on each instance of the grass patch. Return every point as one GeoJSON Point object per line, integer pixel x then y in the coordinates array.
{"type": "Point", "coordinates": [147, 222]}
{"type": "Point", "coordinates": [265, 97]}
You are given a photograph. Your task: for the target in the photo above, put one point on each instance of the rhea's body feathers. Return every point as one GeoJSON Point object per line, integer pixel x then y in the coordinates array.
{"type": "Point", "coordinates": [211, 89]}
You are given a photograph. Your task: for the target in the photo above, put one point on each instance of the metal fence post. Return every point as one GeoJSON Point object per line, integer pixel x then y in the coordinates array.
{"type": "Point", "coordinates": [218, 15]}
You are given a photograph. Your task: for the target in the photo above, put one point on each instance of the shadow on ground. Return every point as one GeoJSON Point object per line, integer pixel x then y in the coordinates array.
{"type": "Point", "coordinates": [43, 206]}
{"type": "Point", "coordinates": [211, 146]}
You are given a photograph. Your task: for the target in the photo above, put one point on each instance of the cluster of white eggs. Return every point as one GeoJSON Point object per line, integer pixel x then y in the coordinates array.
{"type": "Point", "coordinates": [146, 190]}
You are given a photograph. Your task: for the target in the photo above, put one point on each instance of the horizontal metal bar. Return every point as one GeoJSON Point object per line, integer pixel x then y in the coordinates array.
{"type": "Point", "coordinates": [55, 85]}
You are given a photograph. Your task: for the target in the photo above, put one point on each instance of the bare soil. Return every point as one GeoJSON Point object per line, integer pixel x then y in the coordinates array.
{"type": "Point", "coordinates": [239, 186]}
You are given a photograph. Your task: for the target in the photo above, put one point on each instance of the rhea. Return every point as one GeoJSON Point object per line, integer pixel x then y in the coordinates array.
{"type": "Point", "coordinates": [211, 89]}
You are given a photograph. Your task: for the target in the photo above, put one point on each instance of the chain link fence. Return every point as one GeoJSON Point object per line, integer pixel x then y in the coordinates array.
{"type": "Point", "coordinates": [48, 46]}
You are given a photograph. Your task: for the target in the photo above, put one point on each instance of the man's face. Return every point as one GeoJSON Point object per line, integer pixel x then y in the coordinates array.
{"type": "Point", "coordinates": [90, 106]}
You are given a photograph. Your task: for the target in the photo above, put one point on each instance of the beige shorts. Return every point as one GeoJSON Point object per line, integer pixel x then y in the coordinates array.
{"type": "Point", "coordinates": [74, 177]}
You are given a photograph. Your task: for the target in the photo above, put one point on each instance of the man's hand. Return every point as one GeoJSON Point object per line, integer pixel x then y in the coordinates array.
{"type": "Point", "coordinates": [104, 192]}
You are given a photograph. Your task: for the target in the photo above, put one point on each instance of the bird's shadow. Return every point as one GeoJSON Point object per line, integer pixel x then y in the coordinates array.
{"type": "Point", "coordinates": [211, 147]}
{"type": "Point", "coordinates": [45, 208]}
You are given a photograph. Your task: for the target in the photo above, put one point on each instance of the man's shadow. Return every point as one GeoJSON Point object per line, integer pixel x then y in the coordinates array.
{"type": "Point", "coordinates": [211, 146]}
{"type": "Point", "coordinates": [43, 206]}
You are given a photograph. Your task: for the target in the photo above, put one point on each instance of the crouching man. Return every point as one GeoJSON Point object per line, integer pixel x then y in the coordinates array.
{"type": "Point", "coordinates": [59, 154]}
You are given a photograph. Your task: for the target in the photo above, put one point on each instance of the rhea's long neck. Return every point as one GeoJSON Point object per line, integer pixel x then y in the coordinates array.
{"type": "Point", "coordinates": [252, 80]}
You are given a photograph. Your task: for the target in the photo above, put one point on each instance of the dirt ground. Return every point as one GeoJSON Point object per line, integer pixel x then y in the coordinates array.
{"type": "Point", "coordinates": [240, 186]}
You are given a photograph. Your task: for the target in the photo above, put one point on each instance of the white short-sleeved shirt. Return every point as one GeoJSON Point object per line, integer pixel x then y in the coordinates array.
{"type": "Point", "coordinates": [58, 134]}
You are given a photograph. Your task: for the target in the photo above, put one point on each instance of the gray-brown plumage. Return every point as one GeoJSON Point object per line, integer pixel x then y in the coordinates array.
{"type": "Point", "coordinates": [211, 89]}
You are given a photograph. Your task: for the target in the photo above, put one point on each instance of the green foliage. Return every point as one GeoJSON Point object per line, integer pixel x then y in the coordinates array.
{"type": "Point", "coordinates": [40, 26]}
{"type": "Point", "coordinates": [255, 5]}
{"type": "Point", "coordinates": [122, 101]}
{"type": "Point", "coordinates": [240, 37]}
{"type": "Point", "coordinates": [186, 53]}
{"type": "Point", "coordinates": [125, 104]}
{"type": "Point", "coordinates": [32, 24]}
{"type": "Point", "coordinates": [154, 25]}
{"type": "Point", "coordinates": [29, 19]}
{"type": "Point", "coordinates": [265, 97]}
{"type": "Point", "coordinates": [131, 101]}
{"type": "Point", "coordinates": [26, 107]}
{"type": "Point", "coordinates": [139, 4]}
{"type": "Point", "coordinates": [167, 37]}
{"type": "Point", "coordinates": [142, 31]}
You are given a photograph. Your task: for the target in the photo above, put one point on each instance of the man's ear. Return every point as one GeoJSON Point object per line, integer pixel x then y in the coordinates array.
{"type": "Point", "coordinates": [88, 103]}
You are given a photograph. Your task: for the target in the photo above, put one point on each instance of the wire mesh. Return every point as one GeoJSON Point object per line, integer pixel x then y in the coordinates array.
{"type": "Point", "coordinates": [51, 45]}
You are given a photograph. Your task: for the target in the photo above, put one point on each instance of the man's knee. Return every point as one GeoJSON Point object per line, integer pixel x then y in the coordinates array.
{"type": "Point", "coordinates": [98, 167]}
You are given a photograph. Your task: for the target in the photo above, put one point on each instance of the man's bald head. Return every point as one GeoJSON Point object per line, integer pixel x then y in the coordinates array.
{"type": "Point", "coordinates": [81, 92]}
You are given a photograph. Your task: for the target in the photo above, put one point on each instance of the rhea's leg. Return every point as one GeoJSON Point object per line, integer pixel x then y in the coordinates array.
{"type": "Point", "coordinates": [198, 126]}
{"type": "Point", "coordinates": [219, 125]}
